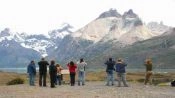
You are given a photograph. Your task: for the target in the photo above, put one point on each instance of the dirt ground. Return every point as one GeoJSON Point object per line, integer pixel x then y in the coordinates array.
{"type": "Point", "coordinates": [90, 90]}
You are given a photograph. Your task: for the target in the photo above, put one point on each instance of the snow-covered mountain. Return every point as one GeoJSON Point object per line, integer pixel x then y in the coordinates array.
{"type": "Point", "coordinates": [30, 46]}
{"type": "Point", "coordinates": [62, 31]}
{"type": "Point", "coordinates": [110, 30]}
{"type": "Point", "coordinates": [39, 43]}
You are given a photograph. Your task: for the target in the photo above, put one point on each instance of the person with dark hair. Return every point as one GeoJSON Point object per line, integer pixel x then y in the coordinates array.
{"type": "Point", "coordinates": [59, 75]}
{"type": "Point", "coordinates": [81, 71]}
{"type": "Point", "coordinates": [42, 72]}
{"type": "Point", "coordinates": [121, 72]}
{"type": "Point", "coordinates": [31, 70]}
{"type": "Point", "coordinates": [52, 72]}
{"type": "Point", "coordinates": [149, 73]}
{"type": "Point", "coordinates": [72, 69]}
{"type": "Point", "coordinates": [109, 70]}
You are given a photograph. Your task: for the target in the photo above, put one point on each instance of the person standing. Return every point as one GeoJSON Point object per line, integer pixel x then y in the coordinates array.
{"type": "Point", "coordinates": [72, 69]}
{"type": "Point", "coordinates": [81, 71]}
{"type": "Point", "coordinates": [59, 75]}
{"type": "Point", "coordinates": [149, 73]}
{"type": "Point", "coordinates": [42, 72]}
{"type": "Point", "coordinates": [121, 72]}
{"type": "Point", "coordinates": [109, 70]}
{"type": "Point", "coordinates": [31, 70]}
{"type": "Point", "coordinates": [52, 72]}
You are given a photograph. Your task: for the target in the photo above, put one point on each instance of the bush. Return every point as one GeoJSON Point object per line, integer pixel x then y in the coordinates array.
{"type": "Point", "coordinates": [16, 81]}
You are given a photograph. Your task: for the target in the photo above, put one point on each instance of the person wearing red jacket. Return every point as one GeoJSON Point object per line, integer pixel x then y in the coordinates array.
{"type": "Point", "coordinates": [72, 69]}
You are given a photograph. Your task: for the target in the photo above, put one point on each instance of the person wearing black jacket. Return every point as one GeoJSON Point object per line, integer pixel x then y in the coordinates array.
{"type": "Point", "coordinates": [52, 72]}
{"type": "Point", "coordinates": [42, 72]}
{"type": "Point", "coordinates": [109, 70]}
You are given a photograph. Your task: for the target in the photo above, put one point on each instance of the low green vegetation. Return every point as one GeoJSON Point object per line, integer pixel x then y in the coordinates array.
{"type": "Point", "coordinates": [16, 81]}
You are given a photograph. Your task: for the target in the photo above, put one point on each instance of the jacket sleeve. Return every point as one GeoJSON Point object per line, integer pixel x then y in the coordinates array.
{"type": "Point", "coordinates": [46, 63]}
{"type": "Point", "coordinates": [38, 63]}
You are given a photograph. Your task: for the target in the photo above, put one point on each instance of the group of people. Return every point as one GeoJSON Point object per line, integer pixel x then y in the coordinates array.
{"type": "Point", "coordinates": [119, 67]}
{"type": "Point", "coordinates": [55, 72]}
{"type": "Point", "coordinates": [80, 66]}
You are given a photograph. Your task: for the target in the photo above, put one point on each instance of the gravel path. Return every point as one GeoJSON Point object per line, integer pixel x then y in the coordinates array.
{"type": "Point", "coordinates": [90, 90]}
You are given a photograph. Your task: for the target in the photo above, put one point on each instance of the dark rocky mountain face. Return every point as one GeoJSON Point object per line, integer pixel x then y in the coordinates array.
{"type": "Point", "coordinates": [12, 54]}
{"type": "Point", "coordinates": [110, 13]}
{"type": "Point", "coordinates": [5, 32]}
{"type": "Point", "coordinates": [130, 14]}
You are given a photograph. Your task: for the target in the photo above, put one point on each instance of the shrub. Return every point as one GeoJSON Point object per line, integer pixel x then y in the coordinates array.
{"type": "Point", "coordinates": [16, 81]}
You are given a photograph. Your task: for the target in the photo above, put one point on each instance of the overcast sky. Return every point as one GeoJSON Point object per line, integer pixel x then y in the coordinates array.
{"type": "Point", "coordinates": [41, 16]}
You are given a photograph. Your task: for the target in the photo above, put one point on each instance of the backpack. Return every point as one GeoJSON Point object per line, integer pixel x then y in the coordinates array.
{"type": "Point", "coordinates": [173, 83]}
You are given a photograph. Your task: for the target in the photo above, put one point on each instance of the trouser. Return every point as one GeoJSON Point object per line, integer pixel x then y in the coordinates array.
{"type": "Point", "coordinates": [122, 77]}
{"type": "Point", "coordinates": [52, 80]}
{"type": "Point", "coordinates": [148, 77]}
{"type": "Point", "coordinates": [72, 78]}
{"type": "Point", "coordinates": [31, 79]}
{"type": "Point", "coordinates": [42, 79]}
{"type": "Point", "coordinates": [58, 79]}
{"type": "Point", "coordinates": [81, 77]}
{"type": "Point", "coordinates": [110, 77]}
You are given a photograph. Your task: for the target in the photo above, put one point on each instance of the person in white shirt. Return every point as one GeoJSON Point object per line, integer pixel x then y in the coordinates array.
{"type": "Point", "coordinates": [81, 71]}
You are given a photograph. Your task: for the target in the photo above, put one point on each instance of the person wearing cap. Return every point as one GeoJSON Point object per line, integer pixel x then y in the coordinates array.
{"type": "Point", "coordinates": [109, 70]}
{"type": "Point", "coordinates": [121, 72]}
{"type": "Point", "coordinates": [149, 73]}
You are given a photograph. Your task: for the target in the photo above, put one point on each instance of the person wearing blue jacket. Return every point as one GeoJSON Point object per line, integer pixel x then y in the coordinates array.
{"type": "Point", "coordinates": [121, 72]}
{"type": "Point", "coordinates": [31, 70]}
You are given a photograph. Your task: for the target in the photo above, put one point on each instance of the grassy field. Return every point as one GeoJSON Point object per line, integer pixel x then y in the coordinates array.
{"type": "Point", "coordinates": [94, 76]}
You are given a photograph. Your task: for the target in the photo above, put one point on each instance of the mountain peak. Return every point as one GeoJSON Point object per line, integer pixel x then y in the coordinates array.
{"type": "Point", "coordinates": [63, 30]}
{"type": "Point", "coordinates": [110, 13]}
{"type": "Point", "coordinates": [5, 32]}
{"type": "Point", "coordinates": [130, 14]}
{"type": "Point", "coordinates": [65, 27]}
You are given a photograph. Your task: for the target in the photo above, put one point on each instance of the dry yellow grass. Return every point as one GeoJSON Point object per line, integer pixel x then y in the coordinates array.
{"type": "Point", "coordinates": [90, 76]}
{"type": "Point", "coordinates": [7, 76]}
